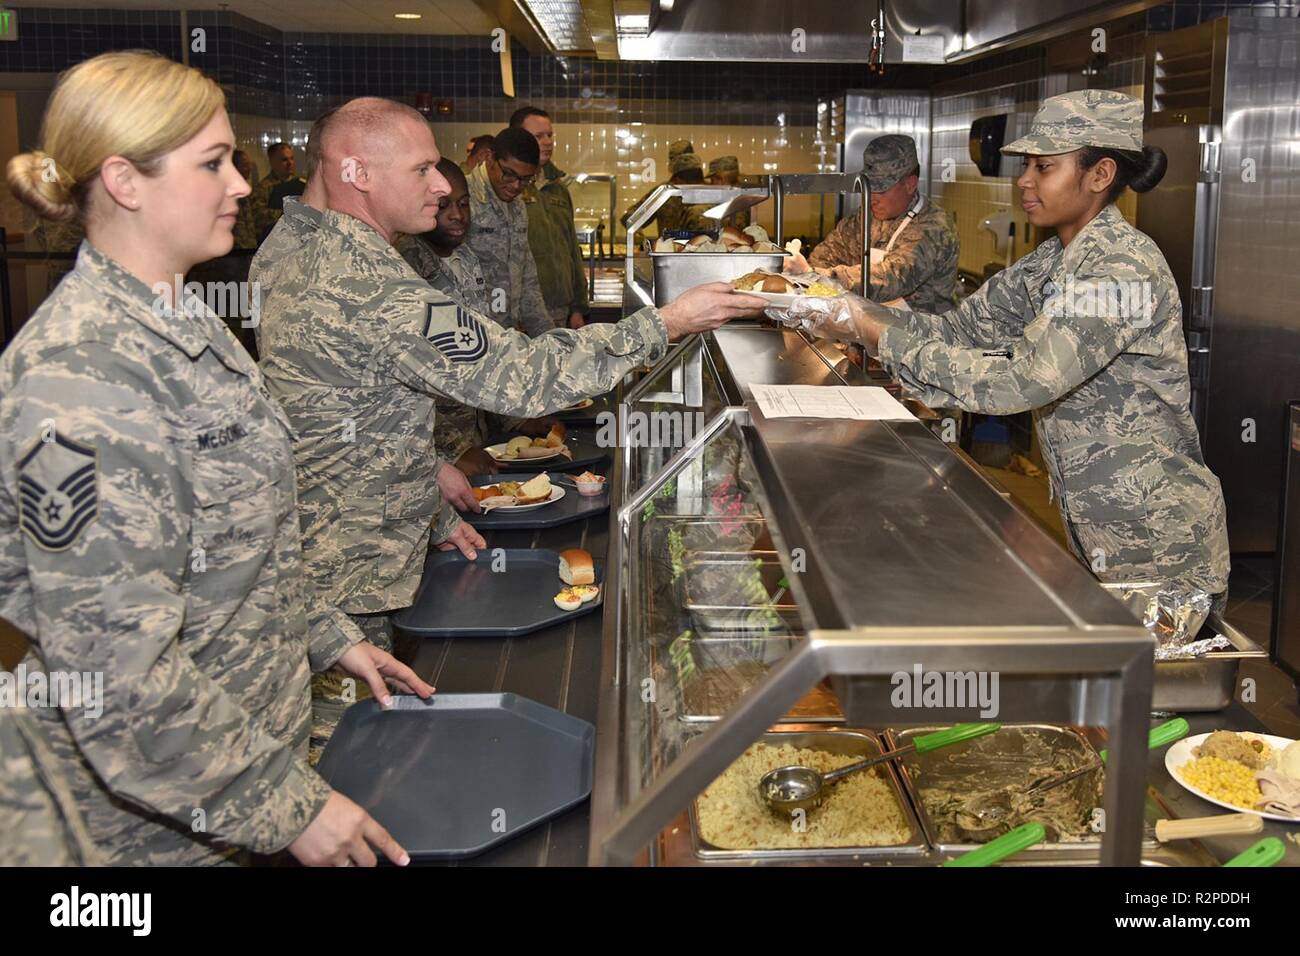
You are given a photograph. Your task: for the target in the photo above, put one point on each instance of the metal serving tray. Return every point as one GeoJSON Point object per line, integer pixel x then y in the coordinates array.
{"type": "Point", "coordinates": [713, 693]}
{"type": "Point", "coordinates": [722, 609]}
{"type": "Point", "coordinates": [675, 272]}
{"type": "Point", "coordinates": [1198, 684]}
{"type": "Point", "coordinates": [1008, 740]}
{"type": "Point", "coordinates": [858, 743]}
{"type": "Point", "coordinates": [1204, 683]}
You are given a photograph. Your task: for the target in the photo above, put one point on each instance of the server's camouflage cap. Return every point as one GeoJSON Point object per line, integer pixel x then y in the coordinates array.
{"type": "Point", "coordinates": [684, 161]}
{"type": "Point", "coordinates": [679, 146]}
{"type": "Point", "coordinates": [1083, 118]}
{"type": "Point", "coordinates": [724, 164]}
{"type": "Point", "coordinates": [887, 159]}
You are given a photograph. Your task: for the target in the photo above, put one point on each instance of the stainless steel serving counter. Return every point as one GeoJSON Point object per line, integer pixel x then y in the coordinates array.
{"type": "Point", "coordinates": [911, 557]}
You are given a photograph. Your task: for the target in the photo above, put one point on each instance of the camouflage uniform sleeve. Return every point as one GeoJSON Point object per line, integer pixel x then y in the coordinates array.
{"type": "Point", "coordinates": [440, 348]}
{"type": "Point", "coordinates": [40, 824]}
{"type": "Point", "coordinates": [534, 315]}
{"type": "Point", "coordinates": [842, 247]}
{"type": "Point", "coordinates": [331, 632]}
{"type": "Point", "coordinates": [1064, 345]}
{"type": "Point", "coordinates": [112, 600]}
{"type": "Point", "coordinates": [455, 429]}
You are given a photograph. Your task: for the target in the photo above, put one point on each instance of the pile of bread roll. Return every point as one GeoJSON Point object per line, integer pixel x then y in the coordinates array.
{"type": "Point", "coordinates": [730, 239]}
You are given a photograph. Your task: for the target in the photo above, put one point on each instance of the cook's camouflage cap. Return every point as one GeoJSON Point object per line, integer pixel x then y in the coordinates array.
{"type": "Point", "coordinates": [724, 164]}
{"type": "Point", "coordinates": [679, 146]}
{"type": "Point", "coordinates": [887, 159]}
{"type": "Point", "coordinates": [684, 161]}
{"type": "Point", "coordinates": [1083, 118]}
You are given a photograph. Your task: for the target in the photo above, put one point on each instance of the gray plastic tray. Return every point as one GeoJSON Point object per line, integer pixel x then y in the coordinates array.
{"type": "Point", "coordinates": [572, 507]}
{"type": "Point", "coordinates": [455, 775]}
{"type": "Point", "coordinates": [462, 598]}
{"type": "Point", "coordinates": [585, 454]}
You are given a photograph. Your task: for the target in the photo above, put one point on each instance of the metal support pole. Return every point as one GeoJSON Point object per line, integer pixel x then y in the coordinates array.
{"type": "Point", "coordinates": [860, 185]}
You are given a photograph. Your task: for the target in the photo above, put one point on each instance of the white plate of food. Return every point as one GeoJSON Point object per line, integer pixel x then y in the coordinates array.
{"type": "Point", "coordinates": [523, 448]}
{"type": "Point", "coordinates": [1186, 763]}
{"type": "Point", "coordinates": [519, 495]}
{"type": "Point", "coordinates": [501, 452]}
{"type": "Point", "coordinates": [783, 290]}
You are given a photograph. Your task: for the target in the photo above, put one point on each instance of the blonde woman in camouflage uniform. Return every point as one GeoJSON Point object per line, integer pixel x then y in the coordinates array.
{"type": "Point", "coordinates": [148, 518]}
{"type": "Point", "coordinates": [1085, 331]}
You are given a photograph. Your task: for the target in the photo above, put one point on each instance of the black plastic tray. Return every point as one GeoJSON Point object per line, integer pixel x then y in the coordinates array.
{"type": "Point", "coordinates": [585, 454]}
{"type": "Point", "coordinates": [463, 598]}
{"type": "Point", "coordinates": [457, 774]}
{"type": "Point", "coordinates": [604, 403]}
{"type": "Point", "coordinates": [572, 507]}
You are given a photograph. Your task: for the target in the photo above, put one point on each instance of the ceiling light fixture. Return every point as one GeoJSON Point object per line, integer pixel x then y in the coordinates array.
{"type": "Point", "coordinates": [408, 16]}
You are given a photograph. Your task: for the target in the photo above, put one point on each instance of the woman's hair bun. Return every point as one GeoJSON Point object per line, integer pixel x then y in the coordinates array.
{"type": "Point", "coordinates": [1148, 176]}
{"type": "Point", "coordinates": [37, 181]}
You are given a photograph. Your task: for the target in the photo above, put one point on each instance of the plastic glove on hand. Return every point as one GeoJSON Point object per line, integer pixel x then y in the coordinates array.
{"type": "Point", "coordinates": [846, 318]}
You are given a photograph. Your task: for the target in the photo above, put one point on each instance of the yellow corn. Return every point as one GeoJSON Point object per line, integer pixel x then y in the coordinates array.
{"type": "Point", "coordinates": [1224, 780]}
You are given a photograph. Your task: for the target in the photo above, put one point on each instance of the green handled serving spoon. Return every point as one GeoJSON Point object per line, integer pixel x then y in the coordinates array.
{"type": "Point", "coordinates": [987, 813]}
{"type": "Point", "coordinates": [1022, 837]}
{"type": "Point", "coordinates": [789, 789]}
{"type": "Point", "coordinates": [1264, 853]}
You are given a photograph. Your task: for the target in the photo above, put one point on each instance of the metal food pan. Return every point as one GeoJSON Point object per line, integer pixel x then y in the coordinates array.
{"type": "Point", "coordinates": [1204, 683]}
{"type": "Point", "coordinates": [719, 606]}
{"type": "Point", "coordinates": [675, 272]}
{"type": "Point", "coordinates": [714, 534]}
{"type": "Point", "coordinates": [857, 743]}
{"type": "Point", "coordinates": [1197, 684]}
{"type": "Point", "coordinates": [1010, 740]}
{"type": "Point", "coordinates": [725, 670]}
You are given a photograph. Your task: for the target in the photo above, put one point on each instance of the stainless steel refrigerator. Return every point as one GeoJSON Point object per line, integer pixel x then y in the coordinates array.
{"type": "Point", "coordinates": [1223, 101]}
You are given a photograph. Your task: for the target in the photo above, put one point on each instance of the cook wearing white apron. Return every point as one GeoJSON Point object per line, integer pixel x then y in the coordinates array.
{"type": "Point", "coordinates": [878, 255]}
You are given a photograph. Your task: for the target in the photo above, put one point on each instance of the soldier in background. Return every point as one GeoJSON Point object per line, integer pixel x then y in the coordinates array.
{"type": "Point", "coordinates": [477, 152]}
{"type": "Point", "coordinates": [552, 233]}
{"type": "Point", "coordinates": [444, 261]}
{"type": "Point", "coordinates": [725, 171]}
{"type": "Point", "coordinates": [913, 242]}
{"type": "Point", "coordinates": [676, 148]}
{"type": "Point", "coordinates": [1086, 331]}
{"type": "Point", "coordinates": [358, 348]}
{"type": "Point", "coordinates": [148, 518]}
{"type": "Point", "coordinates": [498, 232]}
{"type": "Point", "coordinates": [283, 170]}
{"type": "Point", "coordinates": [246, 225]}
{"type": "Point", "coordinates": [675, 215]}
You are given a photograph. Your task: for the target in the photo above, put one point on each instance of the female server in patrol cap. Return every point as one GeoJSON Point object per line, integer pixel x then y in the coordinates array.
{"type": "Point", "coordinates": [148, 522]}
{"type": "Point", "coordinates": [1085, 332]}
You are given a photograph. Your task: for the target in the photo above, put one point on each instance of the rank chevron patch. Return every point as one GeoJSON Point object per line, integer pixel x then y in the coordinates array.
{"type": "Point", "coordinates": [58, 491]}
{"type": "Point", "coordinates": [468, 342]}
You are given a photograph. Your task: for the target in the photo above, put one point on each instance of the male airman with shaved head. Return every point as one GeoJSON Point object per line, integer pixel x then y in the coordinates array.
{"type": "Point", "coordinates": [357, 347]}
